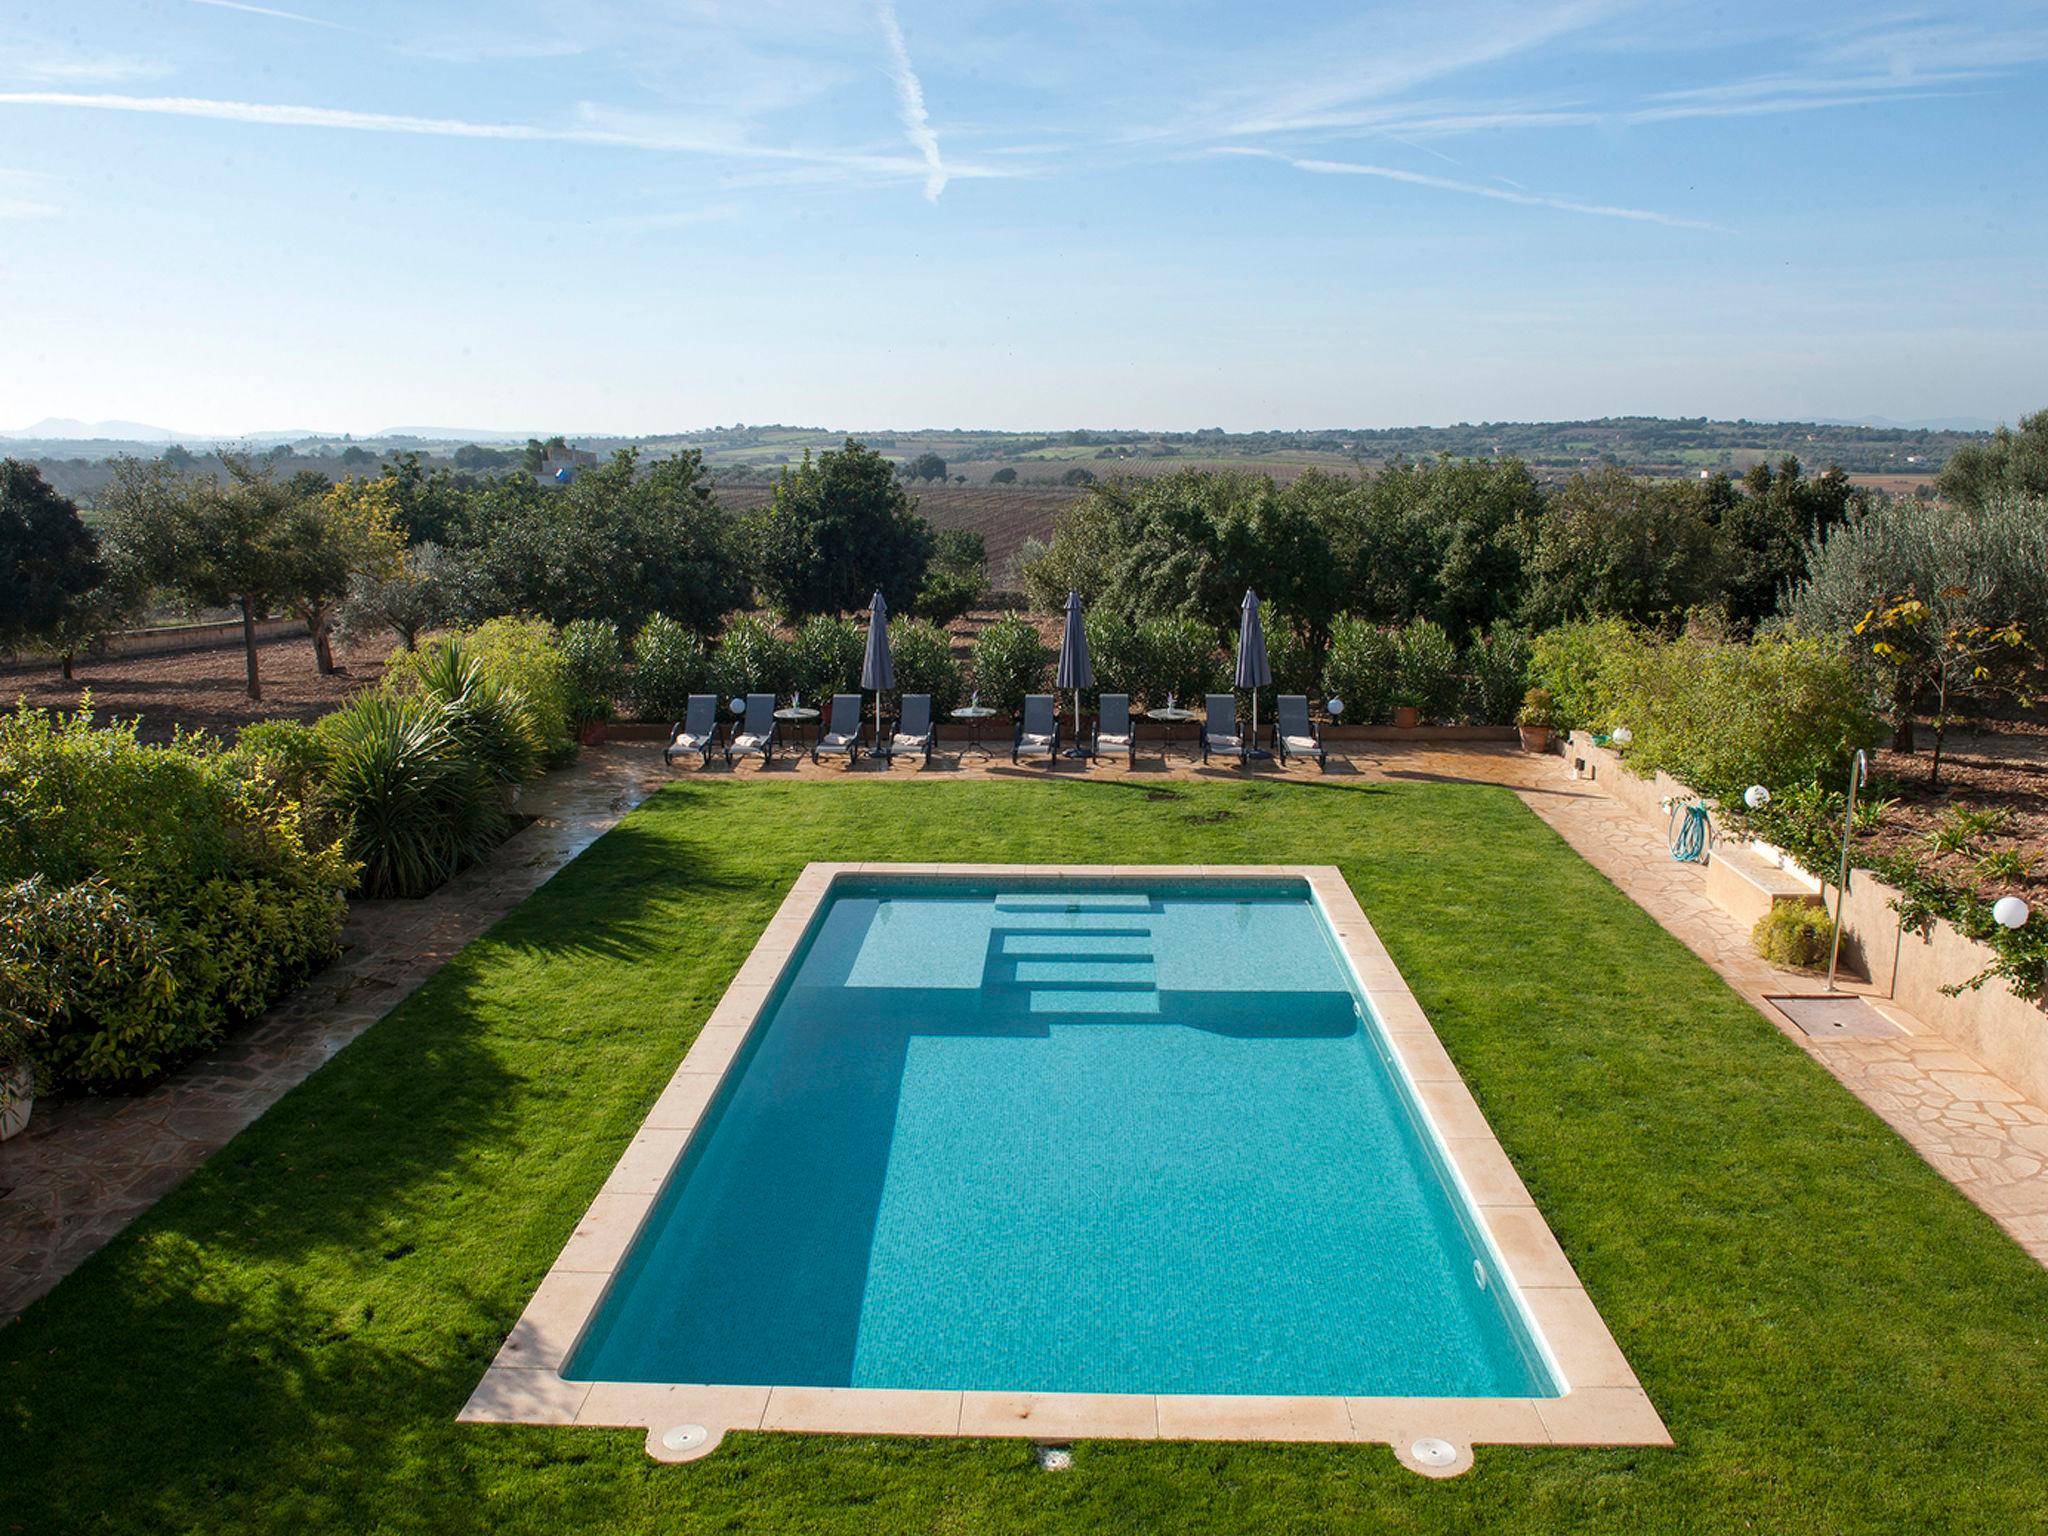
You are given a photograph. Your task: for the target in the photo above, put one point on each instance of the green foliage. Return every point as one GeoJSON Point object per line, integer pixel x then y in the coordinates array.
{"type": "Point", "coordinates": [1117, 655]}
{"type": "Point", "coordinates": [289, 753]}
{"type": "Point", "coordinates": [1795, 934]}
{"type": "Point", "coordinates": [49, 559]}
{"type": "Point", "coordinates": [839, 528]}
{"type": "Point", "coordinates": [241, 896]}
{"type": "Point", "coordinates": [926, 466]}
{"type": "Point", "coordinates": [88, 989]}
{"type": "Point", "coordinates": [751, 658]}
{"type": "Point", "coordinates": [956, 576]}
{"type": "Point", "coordinates": [1363, 669]}
{"type": "Point", "coordinates": [594, 662]}
{"type": "Point", "coordinates": [1496, 678]}
{"type": "Point", "coordinates": [1570, 661]}
{"type": "Point", "coordinates": [524, 656]}
{"type": "Point", "coordinates": [1616, 546]}
{"type": "Point", "coordinates": [618, 542]}
{"type": "Point", "coordinates": [1537, 709]}
{"type": "Point", "coordinates": [825, 656]}
{"type": "Point", "coordinates": [1428, 675]}
{"type": "Point", "coordinates": [1766, 532]}
{"type": "Point", "coordinates": [1182, 657]}
{"type": "Point", "coordinates": [1010, 661]}
{"type": "Point", "coordinates": [669, 665]}
{"type": "Point", "coordinates": [2011, 466]}
{"type": "Point", "coordinates": [418, 806]}
{"type": "Point", "coordinates": [923, 657]}
{"type": "Point", "coordinates": [1962, 828]}
{"type": "Point", "coordinates": [1295, 667]}
{"type": "Point", "coordinates": [1004, 476]}
{"type": "Point", "coordinates": [490, 722]}
{"type": "Point", "coordinates": [1721, 716]}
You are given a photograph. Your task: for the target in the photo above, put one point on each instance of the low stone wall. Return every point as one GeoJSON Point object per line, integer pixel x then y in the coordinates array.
{"type": "Point", "coordinates": [2007, 1033]}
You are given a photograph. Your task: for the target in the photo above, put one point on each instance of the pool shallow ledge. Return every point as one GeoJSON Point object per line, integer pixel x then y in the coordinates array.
{"type": "Point", "coordinates": [1599, 1401]}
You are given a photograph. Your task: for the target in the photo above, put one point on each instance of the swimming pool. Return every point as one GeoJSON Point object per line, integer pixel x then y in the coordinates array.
{"type": "Point", "coordinates": [1067, 1136]}
{"type": "Point", "coordinates": [1087, 1151]}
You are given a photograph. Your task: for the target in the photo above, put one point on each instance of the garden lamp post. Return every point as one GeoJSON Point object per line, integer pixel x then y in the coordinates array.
{"type": "Point", "coordinates": [1859, 774]}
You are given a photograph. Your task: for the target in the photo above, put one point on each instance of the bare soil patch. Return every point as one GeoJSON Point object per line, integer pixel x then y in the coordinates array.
{"type": "Point", "coordinates": [204, 690]}
{"type": "Point", "coordinates": [2002, 770]}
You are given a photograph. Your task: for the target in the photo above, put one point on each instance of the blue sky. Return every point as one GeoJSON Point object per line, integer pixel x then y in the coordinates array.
{"type": "Point", "coordinates": [609, 216]}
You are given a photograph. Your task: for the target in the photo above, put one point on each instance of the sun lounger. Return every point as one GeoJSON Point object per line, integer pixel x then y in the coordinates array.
{"type": "Point", "coordinates": [1113, 731]}
{"type": "Point", "coordinates": [914, 732]}
{"type": "Point", "coordinates": [697, 731]}
{"type": "Point", "coordinates": [1038, 728]}
{"type": "Point", "coordinates": [1294, 734]}
{"type": "Point", "coordinates": [842, 728]}
{"type": "Point", "coordinates": [1219, 726]}
{"type": "Point", "coordinates": [756, 735]}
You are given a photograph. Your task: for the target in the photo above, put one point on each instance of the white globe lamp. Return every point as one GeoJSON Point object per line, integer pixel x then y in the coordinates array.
{"type": "Point", "coordinates": [1756, 797]}
{"type": "Point", "coordinates": [2010, 912]}
{"type": "Point", "coordinates": [1622, 736]}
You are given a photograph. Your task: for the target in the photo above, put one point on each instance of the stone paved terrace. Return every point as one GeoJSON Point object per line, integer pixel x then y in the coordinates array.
{"type": "Point", "coordinates": [87, 1167]}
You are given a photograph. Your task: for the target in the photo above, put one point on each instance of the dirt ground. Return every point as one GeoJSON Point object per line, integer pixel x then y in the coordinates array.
{"type": "Point", "coordinates": [2002, 768]}
{"type": "Point", "coordinates": [204, 690]}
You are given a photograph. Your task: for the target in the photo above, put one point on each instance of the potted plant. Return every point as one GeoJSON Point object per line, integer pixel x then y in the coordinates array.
{"type": "Point", "coordinates": [1407, 709]}
{"type": "Point", "coordinates": [1536, 719]}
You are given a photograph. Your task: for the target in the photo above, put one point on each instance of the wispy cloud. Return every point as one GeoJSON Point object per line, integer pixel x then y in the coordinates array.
{"type": "Point", "coordinates": [846, 164]}
{"type": "Point", "coordinates": [917, 125]}
{"type": "Point", "coordinates": [59, 67]}
{"type": "Point", "coordinates": [19, 196]}
{"type": "Point", "coordinates": [275, 15]}
{"type": "Point", "coordinates": [1468, 188]}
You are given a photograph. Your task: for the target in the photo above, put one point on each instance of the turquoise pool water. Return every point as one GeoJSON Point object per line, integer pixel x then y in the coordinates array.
{"type": "Point", "coordinates": [1084, 1138]}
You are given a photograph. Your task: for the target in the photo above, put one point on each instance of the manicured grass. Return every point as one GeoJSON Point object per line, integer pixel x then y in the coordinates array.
{"type": "Point", "coordinates": [1836, 1338]}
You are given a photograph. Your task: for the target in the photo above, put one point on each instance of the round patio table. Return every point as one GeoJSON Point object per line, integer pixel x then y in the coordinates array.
{"type": "Point", "coordinates": [797, 716]}
{"type": "Point", "coordinates": [973, 715]}
{"type": "Point", "coordinates": [1169, 718]}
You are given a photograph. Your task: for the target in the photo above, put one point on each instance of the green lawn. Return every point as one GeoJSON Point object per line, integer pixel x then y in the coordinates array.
{"type": "Point", "coordinates": [1836, 1338]}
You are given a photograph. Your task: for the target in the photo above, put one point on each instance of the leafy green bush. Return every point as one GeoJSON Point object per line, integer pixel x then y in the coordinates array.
{"type": "Point", "coordinates": [825, 656]}
{"type": "Point", "coordinates": [1117, 654]}
{"type": "Point", "coordinates": [239, 892]}
{"type": "Point", "coordinates": [1429, 676]}
{"type": "Point", "coordinates": [1181, 657]}
{"type": "Point", "coordinates": [923, 655]}
{"type": "Point", "coordinates": [1779, 711]}
{"type": "Point", "coordinates": [1288, 657]}
{"type": "Point", "coordinates": [287, 752]}
{"type": "Point", "coordinates": [669, 665]}
{"type": "Point", "coordinates": [525, 656]}
{"type": "Point", "coordinates": [1010, 661]}
{"type": "Point", "coordinates": [88, 992]}
{"type": "Point", "coordinates": [1362, 669]}
{"type": "Point", "coordinates": [1799, 935]}
{"type": "Point", "coordinates": [490, 722]}
{"type": "Point", "coordinates": [418, 806]}
{"type": "Point", "coordinates": [1496, 677]}
{"type": "Point", "coordinates": [1570, 661]}
{"type": "Point", "coordinates": [750, 658]}
{"type": "Point", "coordinates": [594, 660]}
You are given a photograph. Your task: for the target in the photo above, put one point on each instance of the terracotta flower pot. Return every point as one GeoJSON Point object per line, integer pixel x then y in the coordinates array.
{"type": "Point", "coordinates": [1535, 738]}
{"type": "Point", "coordinates": [1407, 716]}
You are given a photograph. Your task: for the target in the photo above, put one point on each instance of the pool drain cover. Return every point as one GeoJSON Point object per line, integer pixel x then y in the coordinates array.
{"type": "Point", "coordinates": [1434, 1453]}
{"type": "Point", "coordinates": [1054, 1458]}
{"type": "Point", "coordinates": [1825, 1018]}
{"type": "Point", "coordinates": [685, 1437]}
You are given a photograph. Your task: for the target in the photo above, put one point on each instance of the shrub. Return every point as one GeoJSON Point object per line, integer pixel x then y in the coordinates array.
{"type": "Point", "coordinates": [1117, 655]}
{"type": "Point", "coordinates": [595, 664]}
{"type": "Point", "coordinates": [88, 989]}
{"type": "Point", "coordinates": [1799, 935]}
{"type": "Point", "coordinates": [1496, 677]}
{"type": "Point", "coordinates": [1570, 661]}
{"type": "Point", "coordinates": [242, 895]}
{"type": "Point", "coordinates": [1362, 669]}
{"type": "Point", "coordinates": [524, 655]}
{"type": "Point", "coordinates": [923, 656]}
{"type": "Point", "coordinates": [418, 807]}
{"type": "Point", "coordinates": [1288, 658]}
{"type": "Point", "coordinates": [750, 659]}
{"type": "Point", "coordinates": [1780, 712]}
{"type": "Point", "coordinates": [669, 665]}
{"type": "Point", "coordinates": [287, 752]}
{"type": "Point", "coordinates": [825, 657]}
{"type": "Point", "coordinates": [1537, 710]}
{"type": "Point", "coordinates": [1181, 657]}
{"type": "Point", "coordinates": [489, 721]}
{"type": "Point", "coordinates": [1010, 661]}
{"type": "Point", "coordinates": [1429, 677]}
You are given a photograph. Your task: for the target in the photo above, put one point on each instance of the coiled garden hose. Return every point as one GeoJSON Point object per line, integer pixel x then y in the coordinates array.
{"type": "Point", "coordinates": [1690, 832]}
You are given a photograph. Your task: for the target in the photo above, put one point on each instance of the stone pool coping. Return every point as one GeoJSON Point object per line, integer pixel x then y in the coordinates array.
{"type": "Point", "coordinates": [1602, 1403]}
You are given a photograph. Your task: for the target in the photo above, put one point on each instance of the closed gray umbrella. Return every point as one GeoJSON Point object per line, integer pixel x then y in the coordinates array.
{"type": "Point", "coordinates": [1252, 671]}
{"type": "Point", "coordinates": [877, 670]}
{"type": "Point", "coordinates": [1076, 671]}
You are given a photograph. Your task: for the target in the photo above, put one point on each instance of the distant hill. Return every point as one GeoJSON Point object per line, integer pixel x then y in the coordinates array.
{"type": "Point", "coordinates": [62, 429]}
{"type": "Point", "coordinates": [1940, 424]}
